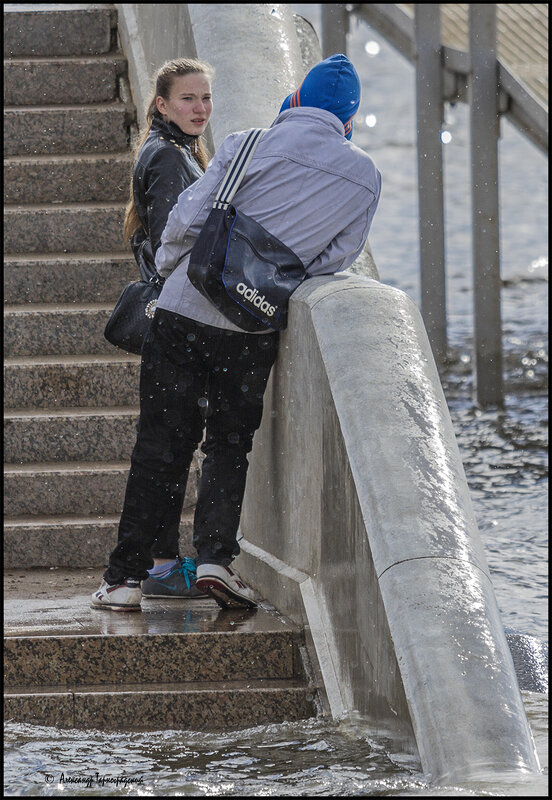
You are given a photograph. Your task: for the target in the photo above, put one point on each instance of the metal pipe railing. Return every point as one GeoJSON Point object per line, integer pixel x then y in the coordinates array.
{"type": "Point", "coordinates": [478, 77]}
{"type": "Point", "coordinates": [429, 118]}
{"type": "Point", "coordinates": [484, 135]}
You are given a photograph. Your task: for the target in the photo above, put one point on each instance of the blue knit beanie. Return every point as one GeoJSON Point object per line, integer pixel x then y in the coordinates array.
{"type": "Point", "coordinates": [332, 84]}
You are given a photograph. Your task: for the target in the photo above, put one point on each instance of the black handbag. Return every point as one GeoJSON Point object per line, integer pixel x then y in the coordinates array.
{"type": "Point", "coordinates": [246, 272]}
{"type": "Point", "coordinates": [131, 318]}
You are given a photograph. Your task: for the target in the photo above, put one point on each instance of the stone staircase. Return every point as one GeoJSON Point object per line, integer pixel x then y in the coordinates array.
{"type": "Point", "coordinates": [71, 399]}
{"type": "Point", "coordinates": [181, 664]}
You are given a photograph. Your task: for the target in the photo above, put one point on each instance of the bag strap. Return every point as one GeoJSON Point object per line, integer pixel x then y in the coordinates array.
{"type": "Point", "coordinates": [237, 169]}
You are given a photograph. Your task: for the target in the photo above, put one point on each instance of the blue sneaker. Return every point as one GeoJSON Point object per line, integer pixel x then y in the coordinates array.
{"type": "Point", "coordinates": [180, 582]}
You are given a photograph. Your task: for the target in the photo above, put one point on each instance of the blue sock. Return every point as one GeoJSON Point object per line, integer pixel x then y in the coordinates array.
{"type": "Point", "coordinates": [161, 570]}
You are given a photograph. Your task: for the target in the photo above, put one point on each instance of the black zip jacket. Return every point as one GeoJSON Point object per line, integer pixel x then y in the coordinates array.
{"type": "Point", "coordinates": [163, 169]}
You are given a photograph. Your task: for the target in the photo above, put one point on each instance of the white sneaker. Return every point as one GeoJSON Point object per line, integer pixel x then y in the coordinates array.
{"type": "Point", "coordinates": [125, 596]}
{"type": "Point", "coordinates": [225, 586]}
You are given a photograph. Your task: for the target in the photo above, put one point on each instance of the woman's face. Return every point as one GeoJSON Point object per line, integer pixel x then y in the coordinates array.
{"type": "Point", "coordinates": [189, 104]}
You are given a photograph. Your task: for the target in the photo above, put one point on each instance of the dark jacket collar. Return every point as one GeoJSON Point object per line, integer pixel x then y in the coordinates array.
{"type": "Point", "coordinates": [170, 130]}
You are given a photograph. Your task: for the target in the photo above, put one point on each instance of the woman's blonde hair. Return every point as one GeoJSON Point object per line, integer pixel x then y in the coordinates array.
{"type": "Point", "coordinates": [163, 84]}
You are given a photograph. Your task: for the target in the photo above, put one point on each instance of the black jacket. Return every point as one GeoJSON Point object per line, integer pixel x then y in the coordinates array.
{"type": "Point", "coordinates": [164, 167]}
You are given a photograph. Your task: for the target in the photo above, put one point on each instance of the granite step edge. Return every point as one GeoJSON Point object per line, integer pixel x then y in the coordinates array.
{"type": "Point", "coordinates": [113, 56]}
{"type": "Point", "coordinates": [78, 467]}
{"type": "Point", "coordinates": [57, 208]}
{"type": "Point", "coordinates": [116, 356]}
{"type": "Point", "coordinates": [227, 710]}
{"type": "Point", "coordinates": [146, 688]}
{"type": "Point", "coordinates": [71, 519]}
{"type": "Point", "coordinates": [71, 411]}
{"type": "Point", "coordinates": [110, 105]}
{"type": "Point", "coordinates": [29, 309]}
{"type": "Point", "coordinates": [29, 259]}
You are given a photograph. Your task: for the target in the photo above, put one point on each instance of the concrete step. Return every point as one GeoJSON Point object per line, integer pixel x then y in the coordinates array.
{"type": "Point", "coordinates": [70, 434]}
{"type": "Point", "coordinates": [71, 329]}
{"type": "Point", "coordinates": [57, 30]}
{"type": "Point", "coordinates": [210, 706]}
{"type": "Point", "coordinates": [67, 179]}
{"type": "Point", "coordinates": [94, 227]}
{"type": "Point", "coordinates": [65, 80]}
{"type": "Point", "coordinates": [34, 130]}
{"type": "Point", "coordinates": [106, 660]}
{"type": "Point", "coordinates": [71, 541]}
{"type": "Point", "coordinates": [49, 490]}
{"type": "Point", "coordinates": [67, 278]}
{"type": "Point", "coordinates": [179, 663]}
{"type": "Point", "coordinates": [51, 382]}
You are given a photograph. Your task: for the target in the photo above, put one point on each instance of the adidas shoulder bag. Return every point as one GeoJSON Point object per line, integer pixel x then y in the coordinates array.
{"type": "Point", "coordinates": [245, 271]}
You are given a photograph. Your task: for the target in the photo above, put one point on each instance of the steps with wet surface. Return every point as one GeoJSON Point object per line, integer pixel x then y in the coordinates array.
{"type": "Point", "coordinates": [179, 663]}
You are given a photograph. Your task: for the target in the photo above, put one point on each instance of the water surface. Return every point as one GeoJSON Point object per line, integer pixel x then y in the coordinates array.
{"type": "Point", "coordinates": [308, 759]}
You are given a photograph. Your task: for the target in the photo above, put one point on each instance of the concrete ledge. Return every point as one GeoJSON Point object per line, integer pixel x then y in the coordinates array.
{"type": "Point", "coordinates": [456, 666]}
{"type": "Point", "coordinates": [297, 591]}
{"type": "Point", "coordinates": [357, 483]}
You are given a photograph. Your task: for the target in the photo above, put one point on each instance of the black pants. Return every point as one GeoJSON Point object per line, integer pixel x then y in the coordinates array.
{"type": "Point", "coordinates": [193, 377]}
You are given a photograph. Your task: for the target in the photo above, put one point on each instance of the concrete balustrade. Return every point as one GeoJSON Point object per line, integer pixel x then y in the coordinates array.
{"type": "Point", "coordinates": [358, 485]}
{"type": "Point", "coordinates": [357, 520]}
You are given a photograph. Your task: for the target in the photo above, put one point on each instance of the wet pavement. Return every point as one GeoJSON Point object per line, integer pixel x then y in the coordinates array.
{"type": "Point", "coordinates": [177, 663]}
{"type": "Point", "coordinates": [53, 602]}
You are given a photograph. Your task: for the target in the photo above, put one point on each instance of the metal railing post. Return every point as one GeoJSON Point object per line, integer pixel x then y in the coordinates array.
{"type": "Point", "coordinates": [335, 26]}
{"type": "Point", "coordinates": [429, 117]}
{"type": "Point", "coordinates": [484, 132]}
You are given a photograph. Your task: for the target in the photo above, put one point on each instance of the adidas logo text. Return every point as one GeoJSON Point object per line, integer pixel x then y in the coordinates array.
{"type": "Point", "coordinates": [256, 299]}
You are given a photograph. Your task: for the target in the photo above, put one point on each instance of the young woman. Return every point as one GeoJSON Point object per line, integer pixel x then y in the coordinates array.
{"type": "Point", "coordinates": [170, 156]}
{"type": "Point", "coordinates": [317, 193]}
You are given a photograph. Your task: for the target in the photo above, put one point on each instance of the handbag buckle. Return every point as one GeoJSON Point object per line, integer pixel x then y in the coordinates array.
{"type": "Point", "coordinates": [149, 311]}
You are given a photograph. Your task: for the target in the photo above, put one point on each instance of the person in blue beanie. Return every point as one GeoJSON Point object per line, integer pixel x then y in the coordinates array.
{"type": "Point", "coordinates": [332, 84]}
{"type": "Point", "coordinates": [310, 187]}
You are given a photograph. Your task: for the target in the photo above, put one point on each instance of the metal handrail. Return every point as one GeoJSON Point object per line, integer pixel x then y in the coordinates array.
{"type": "Point", "coordinates": [492, 89]}
{"type": "Point", "coordinates": [518, 102]}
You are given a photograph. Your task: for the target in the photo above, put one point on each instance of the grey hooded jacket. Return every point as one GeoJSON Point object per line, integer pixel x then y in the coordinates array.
{"type": "Point", "coordinates": [306, 184]}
